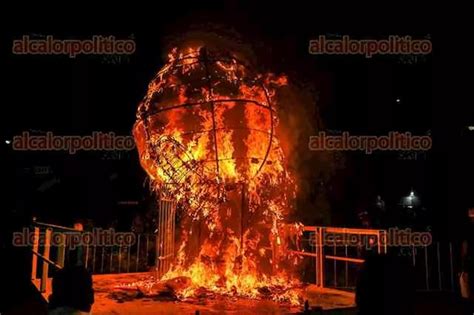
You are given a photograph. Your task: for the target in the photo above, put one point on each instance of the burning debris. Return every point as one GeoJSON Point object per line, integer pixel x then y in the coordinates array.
{"type": "Point", "coordinates": [206, 135]}
{"type": "Point", "coordinates": [183, 289]}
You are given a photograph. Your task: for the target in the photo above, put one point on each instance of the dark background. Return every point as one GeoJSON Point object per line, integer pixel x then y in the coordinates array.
{"type": "Point", "coordinates": [355, 94]}
{"type": "Point", "coordinates": [78, 96]}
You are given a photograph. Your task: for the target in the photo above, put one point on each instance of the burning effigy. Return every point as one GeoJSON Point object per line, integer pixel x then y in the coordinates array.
{"type": "Point", "coordinates": [206, 134]}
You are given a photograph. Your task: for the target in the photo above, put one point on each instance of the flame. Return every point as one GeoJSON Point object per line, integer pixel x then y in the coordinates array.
{"type": "Point", "coordinates": [206, 136]}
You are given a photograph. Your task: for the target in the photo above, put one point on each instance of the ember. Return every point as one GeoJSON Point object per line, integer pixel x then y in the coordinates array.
{"type": "Point", "coordinates": [207, 136]}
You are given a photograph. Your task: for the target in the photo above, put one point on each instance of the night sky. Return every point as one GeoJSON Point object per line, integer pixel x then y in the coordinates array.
{"type": "Point", "coordinates": [93, 93]}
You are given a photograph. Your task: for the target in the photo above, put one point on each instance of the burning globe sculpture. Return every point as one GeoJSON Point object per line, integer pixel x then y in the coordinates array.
{"type": "Point", "coordinates": [206, 136]}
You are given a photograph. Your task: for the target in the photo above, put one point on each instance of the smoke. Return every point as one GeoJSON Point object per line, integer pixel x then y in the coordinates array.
{"type": "Point", "coordinates": [299, 119]}
{"type": "Point", "coordinates": [215, 38]}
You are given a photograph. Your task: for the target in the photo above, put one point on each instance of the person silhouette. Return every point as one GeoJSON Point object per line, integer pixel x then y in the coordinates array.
{"type": "Point", "coordinates": [73, 291]}
{"type": "Point", "coordinates": [385, 286]}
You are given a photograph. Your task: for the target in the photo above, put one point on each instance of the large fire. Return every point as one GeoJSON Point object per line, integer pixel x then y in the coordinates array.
{"type": "Point", "coordinates": [207, 136]}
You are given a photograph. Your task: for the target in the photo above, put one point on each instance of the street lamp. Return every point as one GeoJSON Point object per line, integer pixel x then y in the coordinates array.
{"type": "Point", "coordinates": [411, 200]}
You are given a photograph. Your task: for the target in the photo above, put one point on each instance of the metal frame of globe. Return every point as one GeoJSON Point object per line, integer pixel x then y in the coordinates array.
{"type": "Point", "coordinates": [204, 58]}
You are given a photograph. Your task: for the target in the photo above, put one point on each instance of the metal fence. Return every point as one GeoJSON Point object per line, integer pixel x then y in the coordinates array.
{"type": "Point", "coordinates": [337, 266]}
{"type": "Point", "coordinates": [435, 266]}
{"type": "Point", "coordinates": [139, 257]}
{"type": "Point", "coordinates": [52, 250]}
{"type": "Point", "coordinates": [43, 253]}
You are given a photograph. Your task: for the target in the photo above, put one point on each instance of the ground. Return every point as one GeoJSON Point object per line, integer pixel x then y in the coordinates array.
{"type": "Point", "coordinates": [110, 300]}
{"type": "Point", "coordinates": [335, 302]}
{"type": "Point", "coordinates": [108, 303]}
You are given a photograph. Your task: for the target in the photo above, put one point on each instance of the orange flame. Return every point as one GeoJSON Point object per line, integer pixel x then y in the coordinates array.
{"type": "Point", "coordinates": [205, 132]}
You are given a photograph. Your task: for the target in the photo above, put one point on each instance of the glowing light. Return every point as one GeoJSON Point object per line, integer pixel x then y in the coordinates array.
{"type": "Point", "coordinates": [206, 136]}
